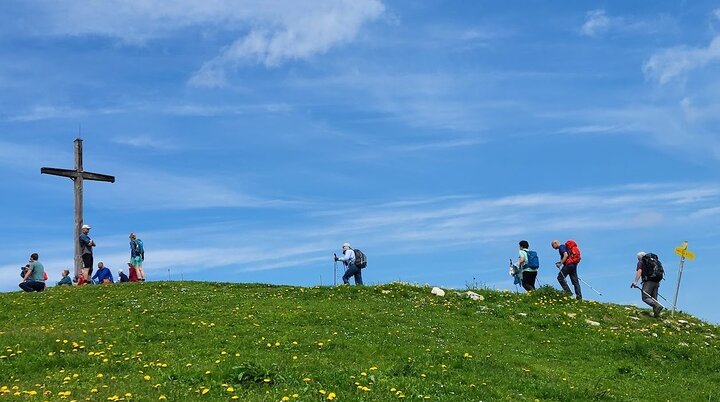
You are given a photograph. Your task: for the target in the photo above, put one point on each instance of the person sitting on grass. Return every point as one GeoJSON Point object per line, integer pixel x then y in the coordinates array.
{"type": "Point", "coordinates": [33, 278]}
{"type": "Point", "coordinates": [103, 274]}
{"type": "Point", "coordinates": [65, 278]}
{"type": "Point", "coordinates": [122, 276]}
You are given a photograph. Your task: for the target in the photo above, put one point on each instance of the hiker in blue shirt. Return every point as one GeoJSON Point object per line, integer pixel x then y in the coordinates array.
{"type": "Point", "coordinates": [528, 265]}
{"type": "Point", "coordinates": [103, 274]}
{"type": "Point", "coordinates": [348, 258]}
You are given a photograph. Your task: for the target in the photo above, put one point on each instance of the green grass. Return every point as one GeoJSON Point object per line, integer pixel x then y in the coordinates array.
{"type": "Point", "coordinates": [188, 341]}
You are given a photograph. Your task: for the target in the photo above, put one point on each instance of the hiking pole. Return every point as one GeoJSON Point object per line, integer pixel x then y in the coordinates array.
{"type": "Point", "coordinates": [648, 295]}
{"type": "Point", "coordinates": [335, 274]}
{"type": "Point", "coordinates": [586, 284]}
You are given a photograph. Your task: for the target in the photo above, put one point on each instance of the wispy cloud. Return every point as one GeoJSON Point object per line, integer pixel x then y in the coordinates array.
{"type": "Point", "coordinates": [299, 33]}
{"type": "Point", "coordinates": [596, 22]}
{"type": "Point", "coordinates": [675, 62]}
{"type": "Point", "coordinates": [268, 32]}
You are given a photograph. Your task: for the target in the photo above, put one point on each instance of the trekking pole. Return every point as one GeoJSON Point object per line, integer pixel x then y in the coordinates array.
{"type": "Point", "coordinates": [588, 285]}
{"type": "Point", "coordinates": [335, 274]}
{"type": "Point", "coordinates": [648, 295]}
{"type": "Point", "coordinates": [581, 280]}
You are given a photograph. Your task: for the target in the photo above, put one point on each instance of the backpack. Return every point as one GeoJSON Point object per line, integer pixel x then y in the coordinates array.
{"type": "Point", "coordinates": [360, 259]}
{"type": "Point", "coordinates": [533, 262]}
{"type": "Point", "coordinates": [141, 249]}
{"type": "Point", "coordinates": [652, 269]}
{"type": "Point", "coordinates": [573, 252]}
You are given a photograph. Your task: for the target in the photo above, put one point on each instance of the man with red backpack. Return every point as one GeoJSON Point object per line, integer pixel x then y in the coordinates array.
{"type": "Point", "coordinates": [569, 259]}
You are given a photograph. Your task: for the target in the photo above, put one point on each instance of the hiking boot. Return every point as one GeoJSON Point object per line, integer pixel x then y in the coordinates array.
{"type": "Point", "coordinates": [656, 311]}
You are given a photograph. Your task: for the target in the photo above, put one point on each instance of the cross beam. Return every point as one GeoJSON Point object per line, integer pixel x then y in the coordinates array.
{"type": "Point", "coordinates": [78, 175]}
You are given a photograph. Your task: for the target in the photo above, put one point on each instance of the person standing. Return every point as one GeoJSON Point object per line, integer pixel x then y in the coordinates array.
{"type": "Point", "coordinates": [137, 255]}
{"type": "Point", "coordinates": [569, 260]}
{"type": "Point", "coordinates": [647, 271]}
{"type": "Point", "coordinates": [348, 259]}
{"type": "Point", "coordinates": [528, 264]}
{"type": "Point", "coordinates": [33, 280]}
{"type": "Point", "coordinates": [65, 280]}
{"type": "Point", "coordinates": [86, 252]}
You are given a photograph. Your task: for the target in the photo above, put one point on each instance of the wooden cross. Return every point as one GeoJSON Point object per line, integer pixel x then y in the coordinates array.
{"type": "Point", "coordinates": [78, 175]}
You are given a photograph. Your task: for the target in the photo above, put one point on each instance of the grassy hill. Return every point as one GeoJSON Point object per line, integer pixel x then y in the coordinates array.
{"type": "Point", "coordinates": [189, 341]}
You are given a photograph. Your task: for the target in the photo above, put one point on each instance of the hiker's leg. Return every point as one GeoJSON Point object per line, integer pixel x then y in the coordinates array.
{"type": "Point", "coordinates": [649, 288]}
{"type": "Point", "coordinates": [576, 282]}
{"type": "Point", "coordinates": [358, 276]}
{"type": "Point", "coordinates": [346, 276]}
{"type": "Point", "coordinates": [528, 280]}
{"type": "Point", "coordinates": [25, 286]}
{"type": "Point", "coordinates": [561, 278]}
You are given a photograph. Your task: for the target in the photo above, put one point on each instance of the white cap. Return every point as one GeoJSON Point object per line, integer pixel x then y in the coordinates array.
{"type": "Point", "coordinates": [346, 245]}
{"type": "Point", "coordinates": [641, 254]}
{"type": "Point", "coordinates": [86, 226]}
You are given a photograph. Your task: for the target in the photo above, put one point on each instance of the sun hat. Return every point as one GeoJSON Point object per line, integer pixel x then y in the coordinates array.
{"type": "Point", "coordinates": [346, 245]}
{"type": "Point", "coordinates": [86, 227]}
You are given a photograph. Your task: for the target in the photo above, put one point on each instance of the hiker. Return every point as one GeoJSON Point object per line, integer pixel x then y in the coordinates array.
{"type": "Point", "coordinates": [86, 252]}
{"type": "Point", "coordinates": [122, 276]}
{"type": "Point", "coordinates": [103, 274]}
{"type": "Point", "coordinates": [569, 260]}
{"type": "Point", "coordinates": [646, 269]}
{"type": "Point", "coordinates": [528, 264]}
{"type": "Point", "coordinates": [348, 258]}
{"type": "Point", "coordinates": [137, 255]}
{"type": "Point", "coordinates": [33, 279]}
{"type": "Point", "coordinates": [65, 280]}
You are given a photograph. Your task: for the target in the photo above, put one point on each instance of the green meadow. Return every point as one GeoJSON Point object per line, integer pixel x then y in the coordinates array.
{"type": "Point", "coordinates": [194, 341]}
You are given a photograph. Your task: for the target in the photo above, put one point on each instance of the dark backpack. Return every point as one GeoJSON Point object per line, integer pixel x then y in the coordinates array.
{"type": "Point", "coordinates": [652, 269]}
{"type": "Point", "coordinates": [360, 259]}
{"type": "Point", "coordinates": [533, 262]}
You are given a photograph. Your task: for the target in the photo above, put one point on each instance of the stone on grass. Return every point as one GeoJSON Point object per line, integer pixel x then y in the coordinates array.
{"type": "Point", "coordinates": [475, 296]}
{"type": "Point", "coordinates": [593, 323]}
{"type": "Point", "coordinates": [437, 291]}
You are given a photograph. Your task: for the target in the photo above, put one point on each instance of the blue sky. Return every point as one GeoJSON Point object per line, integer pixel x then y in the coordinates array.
{"type": "Point", "coordinates": [250, 139]}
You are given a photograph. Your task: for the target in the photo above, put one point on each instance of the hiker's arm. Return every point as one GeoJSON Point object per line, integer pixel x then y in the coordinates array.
{"type": "Point", "coordinates": [638, 274]}
{"type": "Point", "coordinates": [564, 257]}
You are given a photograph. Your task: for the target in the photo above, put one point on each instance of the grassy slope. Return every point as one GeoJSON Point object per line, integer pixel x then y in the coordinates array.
{"type": "Point", "coordinates": [204, 341]}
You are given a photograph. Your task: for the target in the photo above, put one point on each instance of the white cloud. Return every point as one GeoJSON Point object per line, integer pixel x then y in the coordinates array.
{"type": "Point", "coordinates": [267, 32]}
{"type": "Point", "coordinates": [297, 34]}
{"type": "Point", "coordinates": [673, 63]}
{"type": "Point", "coordinates": [596, 22]}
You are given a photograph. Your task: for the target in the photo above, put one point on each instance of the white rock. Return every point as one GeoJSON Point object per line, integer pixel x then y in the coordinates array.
{"type": "Point", "coordinates": [475, 296]}
{"type": "Point", "coordinates": [437, 291]}
{"type": "Point", "coordinates": [593, 323]}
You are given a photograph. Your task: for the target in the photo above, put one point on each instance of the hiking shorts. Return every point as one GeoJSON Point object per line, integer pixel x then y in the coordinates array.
{"type": "Point", "coordinates": [87, 260]}
{"type": "Point", "coordinates": [136, 261]}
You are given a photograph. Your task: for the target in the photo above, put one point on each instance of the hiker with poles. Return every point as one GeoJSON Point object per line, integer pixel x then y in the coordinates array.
{"type": "Point", "coordinates": [349, 259]}
{"type": "Point", "coordinates": [528, 264]}
{"type": "Point", "coordinates": [569, 260]}
{"type": "Point", "coordinates": [650, 269]}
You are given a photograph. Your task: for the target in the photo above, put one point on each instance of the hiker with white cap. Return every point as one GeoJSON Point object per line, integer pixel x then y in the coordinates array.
{"type": "Point", "coordinates": [86, 252]}
{"type": "Point", "coordinates": [650, 270]}
{"type": "Point", "coordinates": [348, 258]}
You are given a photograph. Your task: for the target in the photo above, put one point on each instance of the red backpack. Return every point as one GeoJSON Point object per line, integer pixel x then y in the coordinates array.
{"type": "Point", "coordinates": [573, 252]}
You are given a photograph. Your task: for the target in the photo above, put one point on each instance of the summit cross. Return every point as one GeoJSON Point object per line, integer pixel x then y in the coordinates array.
{"type": "Point", "coordinates": [78, 175]}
